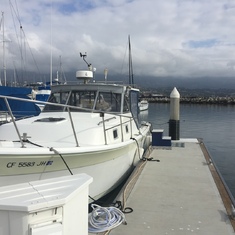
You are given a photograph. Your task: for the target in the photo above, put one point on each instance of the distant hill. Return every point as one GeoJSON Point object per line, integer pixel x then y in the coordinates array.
{"type": "Point", "coordinates": [140, 81]}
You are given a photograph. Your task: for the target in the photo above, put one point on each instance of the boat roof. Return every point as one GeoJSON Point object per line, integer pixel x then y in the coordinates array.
{"type": "Point", "coordinates": [117, 88]}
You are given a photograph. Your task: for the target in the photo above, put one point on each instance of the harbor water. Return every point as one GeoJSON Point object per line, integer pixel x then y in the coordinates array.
{"type": "Point", "coordinates": [215, 124]}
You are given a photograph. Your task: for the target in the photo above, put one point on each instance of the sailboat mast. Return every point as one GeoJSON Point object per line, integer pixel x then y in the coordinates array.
{"type": "Point", "coordinates": [131, 77]}
{"type": "Point", "coordinates": [51, 45]}
{"type": "Point", "coordinates": [60, 76]}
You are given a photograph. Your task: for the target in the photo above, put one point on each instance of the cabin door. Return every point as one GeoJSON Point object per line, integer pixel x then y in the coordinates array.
{"type": "Point", "coordinates": [134, 97]}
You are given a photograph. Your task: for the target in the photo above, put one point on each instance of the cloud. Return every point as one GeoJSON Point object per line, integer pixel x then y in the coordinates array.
{"type": "Point", "coordinates": [169, 38]}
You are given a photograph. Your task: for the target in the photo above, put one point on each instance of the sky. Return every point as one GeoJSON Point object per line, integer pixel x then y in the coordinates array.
{"type": "Point", "coordinates": [171, 38]}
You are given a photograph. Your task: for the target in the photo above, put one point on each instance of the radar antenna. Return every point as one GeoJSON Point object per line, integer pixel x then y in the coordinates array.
{"type": "Point", "coordinates": [85, 75]}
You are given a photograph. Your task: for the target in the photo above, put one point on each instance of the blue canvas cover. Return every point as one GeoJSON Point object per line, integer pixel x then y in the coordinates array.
{"type": "Point", "coordinates": [20, 109]}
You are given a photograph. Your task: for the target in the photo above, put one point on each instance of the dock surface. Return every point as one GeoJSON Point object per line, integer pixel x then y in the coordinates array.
{"type": "Point", "coordinates": [176, 195]}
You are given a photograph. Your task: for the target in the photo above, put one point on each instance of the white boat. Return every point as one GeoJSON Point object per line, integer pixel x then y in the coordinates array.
{"type": "Point", "coordinates": [42, 94]}
{"type": "Point", "coordinates": [87, 128]}
{"type": "Point", "coordinates": [143, 105]}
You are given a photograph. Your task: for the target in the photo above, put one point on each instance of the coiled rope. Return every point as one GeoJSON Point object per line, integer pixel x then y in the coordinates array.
{"type": "Point", "coordinates": [103, 219]}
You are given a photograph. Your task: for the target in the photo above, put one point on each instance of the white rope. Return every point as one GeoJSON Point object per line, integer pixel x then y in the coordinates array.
{"type": "Point", "coordinates": [102, 219]}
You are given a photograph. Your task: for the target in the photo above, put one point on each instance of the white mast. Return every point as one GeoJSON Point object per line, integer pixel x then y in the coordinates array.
{"type": "Point", "coordinates": [131, 78]}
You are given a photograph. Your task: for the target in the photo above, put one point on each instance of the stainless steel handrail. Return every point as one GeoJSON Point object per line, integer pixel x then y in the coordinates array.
{"type": "Point", "coordinates": [41, 102]}
{"type": "Point", "coordinates": [68, 107]}
{"type": "Point", "coordinates": [14, 122]}
{"type": "Point", "coordinates": [74, 132]}
{"type": "Point", "coordinates": [120, 124]}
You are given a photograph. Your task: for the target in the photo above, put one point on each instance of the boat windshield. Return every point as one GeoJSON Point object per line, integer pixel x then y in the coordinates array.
{"type": "Point", "coordinates": [85, 101]}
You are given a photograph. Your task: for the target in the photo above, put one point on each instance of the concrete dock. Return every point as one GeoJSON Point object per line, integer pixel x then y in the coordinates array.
{"type": "Point", "coordinates": [179, 194]}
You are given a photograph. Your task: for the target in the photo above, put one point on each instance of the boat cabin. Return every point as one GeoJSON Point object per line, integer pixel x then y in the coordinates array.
{"type": "Point", "coordinates": [93, 97]}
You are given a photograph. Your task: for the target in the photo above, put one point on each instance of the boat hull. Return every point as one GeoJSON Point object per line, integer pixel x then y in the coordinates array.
{"type": "Point", "coordinates": [108, 167]}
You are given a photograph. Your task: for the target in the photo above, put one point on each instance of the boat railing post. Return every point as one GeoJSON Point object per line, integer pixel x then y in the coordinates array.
{"type": "Point", "coordinates": [121, 128]}
{"type": "Point", "coordinates": [74, 133]}
{"type": "Point", "coordinates": [14, 122]}
{"type": "Point", "coordinates": [131, 127]}
{"type": "Point", "coordinates": [105, 138]}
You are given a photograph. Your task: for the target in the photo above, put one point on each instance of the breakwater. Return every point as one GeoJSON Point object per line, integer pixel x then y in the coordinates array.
{"type": "Point", "coordinates": [194, 100]}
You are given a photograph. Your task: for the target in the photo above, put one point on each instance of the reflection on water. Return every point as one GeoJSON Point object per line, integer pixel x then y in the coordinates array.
{"type": "Point", "coordinates": [213, 123]}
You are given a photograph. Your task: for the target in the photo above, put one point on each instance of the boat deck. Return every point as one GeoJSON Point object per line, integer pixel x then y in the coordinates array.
{"type": "Point", "coordinates": [177, 194]}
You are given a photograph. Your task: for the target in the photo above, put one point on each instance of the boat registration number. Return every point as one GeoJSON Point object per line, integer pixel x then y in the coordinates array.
{"type": "Point", "coordinates": [28, 164]}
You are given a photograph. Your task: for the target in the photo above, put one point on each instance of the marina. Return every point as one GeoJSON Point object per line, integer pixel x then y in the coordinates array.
{"type": "Point", "coordinates": [104, 153]}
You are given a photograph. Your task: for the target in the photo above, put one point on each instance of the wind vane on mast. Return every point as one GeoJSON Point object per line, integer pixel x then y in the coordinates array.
{"type": "Point", "coordinates": [84, 56]}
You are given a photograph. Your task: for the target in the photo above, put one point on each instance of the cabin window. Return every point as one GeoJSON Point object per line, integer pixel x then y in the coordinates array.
{"type": "Point", "coordinates": [86, 101]}
{"type": "Point", "coordinates": [115, 134]}
{"type": "Point", "coordinates": [109, 102]}
{"type": "Point", "coordinates": [56, 98]}
{"type": "Point", "coordinates": [83, 99]}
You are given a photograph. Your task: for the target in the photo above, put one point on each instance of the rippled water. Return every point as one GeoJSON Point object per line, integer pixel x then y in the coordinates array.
{"type": "Point", "coordinates": [215, 124]}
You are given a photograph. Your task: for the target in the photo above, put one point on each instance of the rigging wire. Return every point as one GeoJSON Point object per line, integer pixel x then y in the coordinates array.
{"type": "Point", "coordinates": [16, 13]}
{"type": "Point", "coordinates": [30, 50]}
{"type": "Point", "coordinates": [21, 45]}
{"type": "Point", "coordinates": [1, 23]}
{"type": "Point", "coordinates": [124, 59]}
{"type": "Point", "coordinates": [15, 10]}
